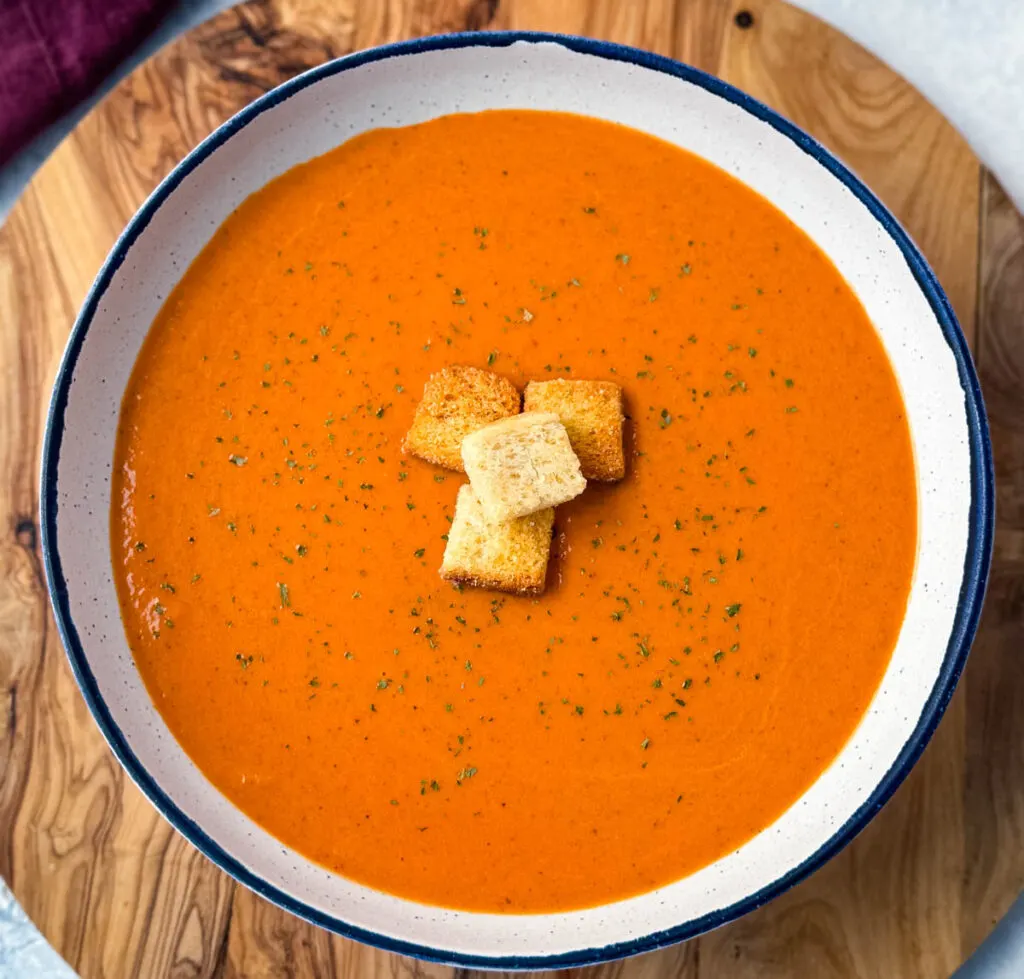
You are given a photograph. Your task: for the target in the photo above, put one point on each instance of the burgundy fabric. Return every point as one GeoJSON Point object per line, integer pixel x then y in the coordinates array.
{"type": "Point", "coordinates": [54, 53]}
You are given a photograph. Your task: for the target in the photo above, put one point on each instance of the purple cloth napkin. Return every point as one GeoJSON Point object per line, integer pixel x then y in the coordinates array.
{"type": "Point", "coordinates": [53, 54]}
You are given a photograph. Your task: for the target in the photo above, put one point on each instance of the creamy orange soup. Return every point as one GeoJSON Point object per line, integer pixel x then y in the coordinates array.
{"type": "Point", "coordinates": [714, 626]}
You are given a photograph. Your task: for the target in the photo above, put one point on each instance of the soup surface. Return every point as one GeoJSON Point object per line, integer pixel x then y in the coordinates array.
{"type": "Point", "coordinates": [714, 626]}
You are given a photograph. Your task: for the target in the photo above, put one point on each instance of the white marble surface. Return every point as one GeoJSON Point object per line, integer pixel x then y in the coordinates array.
{"type": "Point", "coordinates": [1001, 955]}
{"type": "Point", "coordinates": [24, 953]}
{"type": "Point", "coordinates": [966, 56]}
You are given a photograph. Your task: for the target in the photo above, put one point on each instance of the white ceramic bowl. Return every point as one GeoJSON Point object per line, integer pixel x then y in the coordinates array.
{"type": "Point", "coordinates": [409, 83]}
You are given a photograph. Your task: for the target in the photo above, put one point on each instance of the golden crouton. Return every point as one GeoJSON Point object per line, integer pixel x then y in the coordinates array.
{"type": "Point", "coordinates": [457, 401]}
{"type": "Point", "coordinates": [521, 465]}
{"type": "Point", "coordinates": [591, 412]}
{"type": "Point", "coordinates": [511, 556]}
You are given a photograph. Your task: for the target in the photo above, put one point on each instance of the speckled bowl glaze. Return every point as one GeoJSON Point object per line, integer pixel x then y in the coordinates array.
{"type": "Point", "coordinates": [409, 83]}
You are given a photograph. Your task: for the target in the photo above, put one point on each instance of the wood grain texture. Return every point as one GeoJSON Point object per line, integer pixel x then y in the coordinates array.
{"type": "Point", "coordinates": [994, 688]}
{"type": "Point", "coordinates": [121, 895]}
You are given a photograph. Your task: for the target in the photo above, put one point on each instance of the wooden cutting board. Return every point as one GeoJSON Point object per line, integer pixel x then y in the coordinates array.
{"type": "Point", "coordinates": [120, 894]}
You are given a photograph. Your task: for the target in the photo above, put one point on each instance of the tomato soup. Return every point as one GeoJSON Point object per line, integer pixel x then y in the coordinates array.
{"type": "Point", "coordinates": [714, 625]}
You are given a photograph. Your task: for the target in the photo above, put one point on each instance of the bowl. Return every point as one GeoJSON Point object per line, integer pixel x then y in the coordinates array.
{"type": "Point", "coordinates": [409, 83]}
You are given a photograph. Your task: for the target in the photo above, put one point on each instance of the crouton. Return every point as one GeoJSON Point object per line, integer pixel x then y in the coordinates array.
{"type": "Point", "coordinates": [521, 465]}
{"type": "Point", "coordinates": [457, 401]}
{"type": "Point", "coordinates": [591, 412]}
{"type": "Point", "coordinates": [510, 556]}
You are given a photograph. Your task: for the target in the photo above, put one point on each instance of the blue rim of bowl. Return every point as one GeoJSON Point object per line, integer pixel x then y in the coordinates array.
{"type": "Point", "coordinates": [976, 563]}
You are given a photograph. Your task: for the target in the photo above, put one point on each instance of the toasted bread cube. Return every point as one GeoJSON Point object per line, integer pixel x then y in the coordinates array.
{"type": "Point", "coordinates": [591, 412]}
{"type": "Point", "coordinates": [510, 556]}
{"type": "Point", "coordinates": [457, 401]}
{"type": "Point", "coordinates": [521, 465]}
